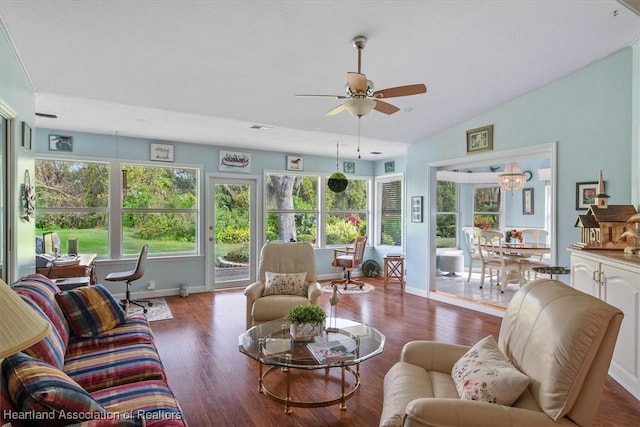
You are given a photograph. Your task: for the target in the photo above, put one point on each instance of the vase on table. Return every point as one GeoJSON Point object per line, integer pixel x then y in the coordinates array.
{"type": "Point", "coordinates": [305, 331]}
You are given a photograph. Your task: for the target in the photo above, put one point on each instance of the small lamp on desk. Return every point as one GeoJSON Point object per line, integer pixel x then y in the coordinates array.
{"type": "Point", "coordinates": [20, 325]}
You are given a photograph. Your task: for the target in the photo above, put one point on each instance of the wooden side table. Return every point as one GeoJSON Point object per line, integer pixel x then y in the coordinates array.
{"type": "Point", "coordinates": [394, 271]}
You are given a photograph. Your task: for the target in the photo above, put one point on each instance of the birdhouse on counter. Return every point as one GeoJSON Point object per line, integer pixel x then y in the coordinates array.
{"type": "Point", "coordinates": [602, 227]}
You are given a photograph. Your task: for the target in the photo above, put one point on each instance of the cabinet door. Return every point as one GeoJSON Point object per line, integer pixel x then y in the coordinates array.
{"type": "Point", "coordinates": [583, 271]}
{"type": "Point", "coordinates": [622, 290]}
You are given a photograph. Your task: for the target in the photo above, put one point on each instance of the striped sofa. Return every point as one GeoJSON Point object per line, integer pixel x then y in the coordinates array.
{"type": "Point", "coordinates": [114, 377]}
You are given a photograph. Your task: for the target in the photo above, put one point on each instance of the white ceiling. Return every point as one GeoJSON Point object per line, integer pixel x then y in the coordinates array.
{"type": "Point", "coordinates": [205, 71]}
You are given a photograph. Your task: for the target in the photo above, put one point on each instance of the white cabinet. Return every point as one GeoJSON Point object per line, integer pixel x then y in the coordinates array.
{"type": "Point", "coordinates": [615, 278]}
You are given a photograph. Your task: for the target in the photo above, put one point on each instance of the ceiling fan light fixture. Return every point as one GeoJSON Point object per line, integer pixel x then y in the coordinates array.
{"type": "Point", "coordinates": [359, 107]}
{"type": "Point", "coordinates": [512, 178]}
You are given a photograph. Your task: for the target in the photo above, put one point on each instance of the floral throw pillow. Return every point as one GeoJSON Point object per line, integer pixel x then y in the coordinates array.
{"type": "Point", "coordinates": [284, 284]}
{"type": "Point", "coordinates": [484, 374]}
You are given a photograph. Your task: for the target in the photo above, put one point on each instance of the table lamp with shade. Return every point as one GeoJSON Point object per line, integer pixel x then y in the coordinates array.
{"type": "Point", "coordinates": [20, 326]}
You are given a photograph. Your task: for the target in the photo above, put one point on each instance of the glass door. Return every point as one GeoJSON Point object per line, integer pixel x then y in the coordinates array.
{"type": "Point", "coordinates": [231, 232]}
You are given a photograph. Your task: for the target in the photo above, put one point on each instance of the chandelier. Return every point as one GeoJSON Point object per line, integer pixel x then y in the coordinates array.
{"type": "Point", "coordinates": [512, 178]}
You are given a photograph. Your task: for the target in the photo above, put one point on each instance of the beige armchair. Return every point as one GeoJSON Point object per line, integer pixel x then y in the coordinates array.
{"type": "Point", "coordinates": [266, 303]}
{"type": "Point", "coordinates": [561, 338]}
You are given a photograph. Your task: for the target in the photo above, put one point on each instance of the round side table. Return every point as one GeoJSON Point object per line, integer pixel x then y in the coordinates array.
{"type": "Point", "coordinates": [450, 263]}
{"type": "Point", "coordinates": [552, 270]}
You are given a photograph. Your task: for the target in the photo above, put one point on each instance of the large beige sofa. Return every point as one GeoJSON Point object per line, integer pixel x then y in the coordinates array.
{"type": "Point", "coordinates": [561, 338]}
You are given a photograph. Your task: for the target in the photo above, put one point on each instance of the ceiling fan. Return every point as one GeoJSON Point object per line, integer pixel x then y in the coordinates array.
{"type": "Point", "coordinates": [361, 96]}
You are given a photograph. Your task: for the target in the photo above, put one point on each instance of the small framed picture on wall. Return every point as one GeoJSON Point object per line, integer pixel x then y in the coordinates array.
{"type": "Point", "coordinates": [295, 163]}
{"type": "Point", "coordinates": [161, 152]}
{"type": "Point", "coordinates": [416, 209]}
{"type": "Point", "coordinates": [60, 143]}
{"type": "Point", "coordinates": [26, 136]}
{"type": "Point", "coordinates": [527, 201]}
{"type": "Point", "coordinates": [349, 167]}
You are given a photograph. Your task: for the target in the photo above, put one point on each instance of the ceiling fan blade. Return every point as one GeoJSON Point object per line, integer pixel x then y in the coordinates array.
{"type": "Point", "coordinates": [393, 92]}
{"type": "Point", "coordinates": [385, 107]}
{"type": "Point", "coordinates": [324, 96]}
{"type": "Point", "coordinates": [357, 82]}
{"type": "Point", "coordinates": [339, 109]}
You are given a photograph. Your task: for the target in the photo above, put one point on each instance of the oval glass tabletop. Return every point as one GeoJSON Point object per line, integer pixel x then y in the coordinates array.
{"type": "Point", "coordinates": [346, 342]}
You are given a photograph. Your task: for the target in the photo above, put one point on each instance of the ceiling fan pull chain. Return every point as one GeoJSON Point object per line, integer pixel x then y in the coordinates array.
{"type": "Point", "coordinates": [359, 137]}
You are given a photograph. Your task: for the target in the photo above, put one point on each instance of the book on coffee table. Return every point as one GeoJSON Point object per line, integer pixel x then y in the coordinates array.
{"type": "Point", "coordinates": [332, 351]}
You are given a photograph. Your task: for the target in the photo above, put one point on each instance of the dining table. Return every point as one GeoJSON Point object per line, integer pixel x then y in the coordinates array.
{"type": "Point", "coordinates": [525, 249]}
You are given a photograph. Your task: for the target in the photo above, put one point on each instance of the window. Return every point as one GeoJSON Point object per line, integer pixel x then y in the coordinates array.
{"type": "Point", "coordinates": [487, 208]}
{"type": "Point", "coordinates": [389, 193]}
{"type": "Point", "coordinates": [447, 214]}
{"type": "Point", "coordinates": [72, 199]}
{"type": "Point", "coordinates": [347, 213]}
{"type": "Point", "coordinates": [292, 209]}
{"type": "Point", "coordinates": [159, 207]}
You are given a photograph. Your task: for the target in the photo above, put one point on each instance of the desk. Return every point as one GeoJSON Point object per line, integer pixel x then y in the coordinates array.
{"type": "Point", "coordinates": [86, 267]}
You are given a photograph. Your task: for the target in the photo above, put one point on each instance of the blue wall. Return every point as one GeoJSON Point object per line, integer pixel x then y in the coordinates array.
{"type": "Point", "coordinates": [170, 272]}
{"type": "Point", "coordinates": [593, 114]}
{"type": "Point", "coordinates": [17, 95]}
{"type": "Point", "coordinates": [588, 113]}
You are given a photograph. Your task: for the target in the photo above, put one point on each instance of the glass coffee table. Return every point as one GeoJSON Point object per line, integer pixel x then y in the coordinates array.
{"type": "Point", "coordinates": [344, 346]}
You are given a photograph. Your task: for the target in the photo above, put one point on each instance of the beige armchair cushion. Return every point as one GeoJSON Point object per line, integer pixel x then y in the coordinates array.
{"type": "Point", "coordinates": [555, 343]}
{"type": "Point", "coordinates": [561, 338]}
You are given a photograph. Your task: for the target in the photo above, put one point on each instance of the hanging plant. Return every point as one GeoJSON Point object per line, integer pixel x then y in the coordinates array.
{"type": "Point", "coordinates": [338, 181]}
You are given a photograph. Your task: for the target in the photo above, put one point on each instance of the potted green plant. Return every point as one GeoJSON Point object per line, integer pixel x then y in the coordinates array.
{"type": "Point", "coordinates": [337, 182]}
{"type": "Point", "coordinates": [306, 321]}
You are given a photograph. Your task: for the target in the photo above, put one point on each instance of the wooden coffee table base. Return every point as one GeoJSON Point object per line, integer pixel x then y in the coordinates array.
{"type": "Point", "coordinates": [289, 403]}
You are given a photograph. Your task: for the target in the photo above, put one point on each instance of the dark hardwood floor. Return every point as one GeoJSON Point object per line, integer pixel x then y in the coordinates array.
{"type": "Point", "coordinates": [217, 385]}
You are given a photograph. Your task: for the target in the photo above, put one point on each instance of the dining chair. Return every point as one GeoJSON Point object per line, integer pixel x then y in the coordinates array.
{"type": "Point", "coordinates": [538, 236]}
{"type": "Point", "coordinates": [470, 248]}
{"type": "Point", "coordinates": [492, 255]}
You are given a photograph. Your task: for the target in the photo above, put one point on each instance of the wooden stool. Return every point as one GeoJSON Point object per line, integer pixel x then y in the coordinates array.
{"type": "Point", "coordinates": [394, 271]}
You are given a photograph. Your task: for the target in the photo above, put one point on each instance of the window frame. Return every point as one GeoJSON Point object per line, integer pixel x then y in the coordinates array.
{"type": "Point", "coordinates": [326, 212]}
{"type": "Point", "coordinates": [379, 182]}
{"type": "Point", "coordinates": [119, 248]}
{"type": "Point", "coordinates": [499, 213]}
{"type": "Point", "coordinates": [321, 207]}
{"type": "Point", "coordinates": [455, 214]}
{"type": "Point", "coordinates": [61, 210]}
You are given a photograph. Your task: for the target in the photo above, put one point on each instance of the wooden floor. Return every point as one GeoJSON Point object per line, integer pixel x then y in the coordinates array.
{"type": "Point", "coordinates": [217, 385]}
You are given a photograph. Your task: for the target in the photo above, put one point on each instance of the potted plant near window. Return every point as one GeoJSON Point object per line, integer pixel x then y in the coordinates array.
{"type": "Point", "coordinates": [306, 321]}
